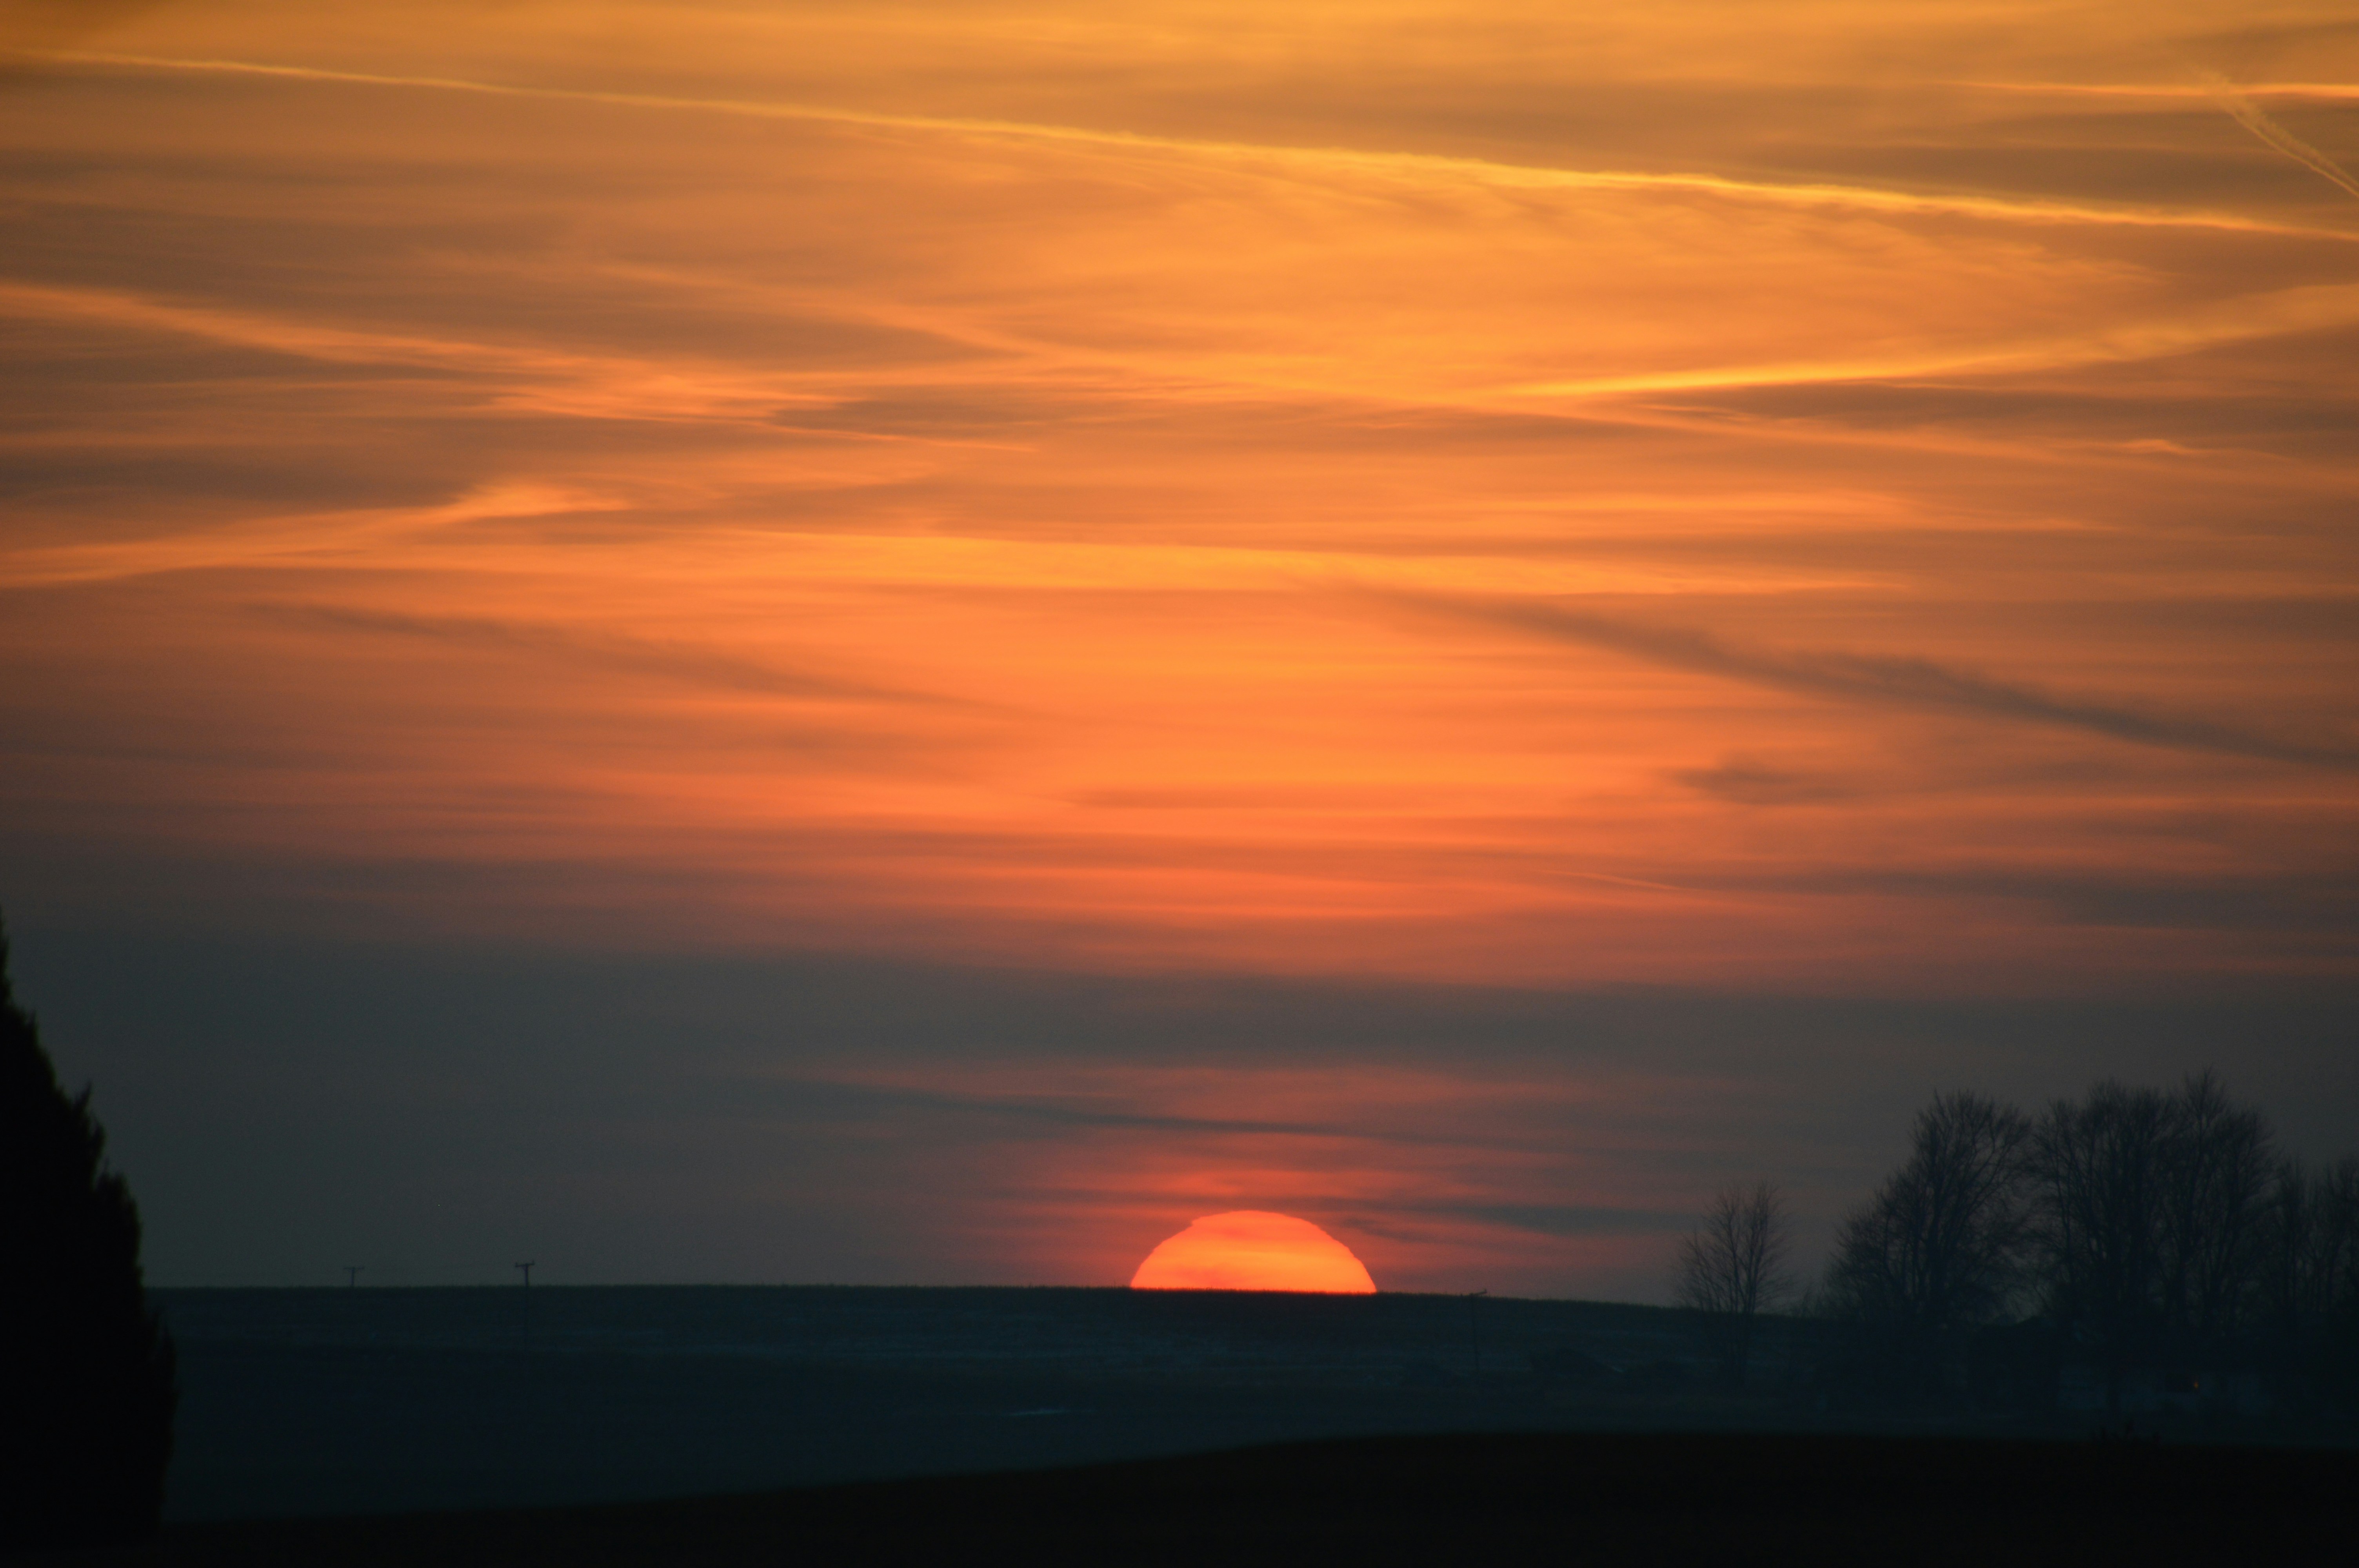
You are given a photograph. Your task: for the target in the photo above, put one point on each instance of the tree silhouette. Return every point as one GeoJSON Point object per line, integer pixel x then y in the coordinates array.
{"type": "Point", "coordinates": [1940, 1248]}
{"type": "Point", "coordinates": [2157, 1232]}
{"type": "Point", "coordinates": [2100, 1163]}
{"type": "Point", "coordinates": [86, 1371]}
{"type": "Point", "coordinates": [1732, 1268]}
{"type": "Point", "coordinates": [2310, 1278]}
{"type": "Point", "coordinates": [2217, 1164]}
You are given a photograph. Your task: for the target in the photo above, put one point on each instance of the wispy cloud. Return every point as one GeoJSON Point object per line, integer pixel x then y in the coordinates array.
{"type": "Point", "coordinates": [1750, 782]}
{"type": "Point", "coordinates": [1890, 680]}
{"type": "Point", "coordinates": [631, 656]}
{"type": "Point", "coordinates": [297, 539]}
{"type": "Point", "coordinates": [1083, 1116]}
{"type": "Point", "coordinates": [1560, 1219]}
{"type": "Point", "coordinates": [2328, 92]}
{"type": "Point", "coordinates": [625, 468]}
{"type": "Point", "coordinates": [28, 31]}
{"type": "Point", "coordinates": [557, 381]}
{"type": "Point", "coordinates": [2308, 308]}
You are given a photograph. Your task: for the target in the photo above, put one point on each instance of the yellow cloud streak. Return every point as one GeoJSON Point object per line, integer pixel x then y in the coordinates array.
{"type": "Point", "coordinates": [579, 384]}
{"type": "Point", "coordinates": [567, 383]}
{"type": "Point", "coordinates": [736, 556]}
{"type": "Point", "coordinates": [1397, 165]}
{"type": "Point", "coordinates": [2318, 306]}
{"type": "Point", "coordinates": [2327, 91]}
{"type": "Point", "coordinates": [308, 539]}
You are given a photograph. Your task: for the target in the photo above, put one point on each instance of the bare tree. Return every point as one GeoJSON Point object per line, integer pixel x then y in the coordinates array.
{"type": "Point", "coordinates": [1732, 1268]}
{"type": "Point", "coordinates": [2215, 1179]}
{"type": "Point", "coordinates": [2336, 1264]}
{"type": "Point", "coordinates": [2100, 1164]}
{"type": "Point", "coordinates": [2311, 1244]}
{"type": "Point", "coordinates": [2288, 1222]}
{"type": "Point", "coordinates": [1940, 1247]}
{"type": "Point", "coordinates": [2294, 1244]}
{"type": "Point", "coordinates": [2310, 1276]}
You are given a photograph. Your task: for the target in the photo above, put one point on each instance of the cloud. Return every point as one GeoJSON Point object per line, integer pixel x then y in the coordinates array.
{"type": "Point", "coordinates": [550, 1081]}
{"type": "Point", "coordinates": [1051, 1113]}
{"type": "Point", "coordinates": [632, 656]}
{"type": "Point", "coordinates": [34, 28]}
{"type": "Point", "coordinates": [2283, 312]}
{"type": "Point", "coordinates": [1163, 383]}
{"type": "Point", "coordinates": [923, 412]}
{"type": "Point", "coordinates": [1750, 782]}
{"type": "Point", "coordinates": [2320, 904]}
{"type": "Point", "coordinates": [1563, 1219]}
{"type": "Point", "coordinates": [1423, 167]}
{"type": "Point", "coordinates": [1890, 680]}
{"type": "Point", "coordinates": [508, 376]}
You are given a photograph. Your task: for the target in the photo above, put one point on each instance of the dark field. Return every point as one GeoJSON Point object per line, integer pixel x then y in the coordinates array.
{"type": "Point", "coordinates": [1603, 1498]}
{"type": "Point", "coordinates": [341, 1402]}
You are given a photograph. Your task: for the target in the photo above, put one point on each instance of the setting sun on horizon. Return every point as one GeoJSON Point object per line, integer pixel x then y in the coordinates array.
{"type": "Point", "coordinates": [1251, 1250]}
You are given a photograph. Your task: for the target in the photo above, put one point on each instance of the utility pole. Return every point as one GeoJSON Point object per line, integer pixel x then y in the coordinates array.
{"type": "Point", "coordinates": [528, 1273]}
{"type": "Point", "coordinates": [1474, 1324]}
{"type": "Point", "coordinates": [352, 1275]}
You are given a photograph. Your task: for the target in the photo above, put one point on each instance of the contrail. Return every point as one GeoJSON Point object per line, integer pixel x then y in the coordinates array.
{"type": "Point", "coordinates": [1396, 163]}
{"type": "Point", "coordinates": [2248, 113]}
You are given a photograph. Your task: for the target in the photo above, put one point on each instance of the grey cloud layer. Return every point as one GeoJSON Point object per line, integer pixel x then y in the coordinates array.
{"type": "Point", "coordinates": [278, 1104]}
{"type": "Point", "coordinates": [836, 1095]}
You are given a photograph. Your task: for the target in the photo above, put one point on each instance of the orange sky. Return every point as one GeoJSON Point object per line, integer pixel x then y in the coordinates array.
{"type": "Point", "coordinates": [1826, 498]}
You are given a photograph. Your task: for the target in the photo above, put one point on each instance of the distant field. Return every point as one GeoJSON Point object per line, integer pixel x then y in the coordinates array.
{"type": "Point", "coordinates": [1238, 1337]}
{"type": "Point", "coordinates": [329, 1401]}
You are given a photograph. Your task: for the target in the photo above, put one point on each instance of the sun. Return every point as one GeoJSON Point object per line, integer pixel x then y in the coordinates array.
{"type": "Point", "coordinates": [1249, 1250]}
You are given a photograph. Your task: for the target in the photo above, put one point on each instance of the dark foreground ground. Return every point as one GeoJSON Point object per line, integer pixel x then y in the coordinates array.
{"type": "Point", "coordinates": [377, 1403]}
{"type": "Point", "coordinates": [1583, 1499]}
{"type": "Point", "coordinates": [325, 1401]}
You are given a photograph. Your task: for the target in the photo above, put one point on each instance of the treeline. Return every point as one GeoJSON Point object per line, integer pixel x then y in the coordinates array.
{"type": "Point", "coordinates": [87, 1382]}
{"type": "Point", "coordinates": [2148, 1234]}
{"type": "Point", "coordinates": [2132, 1248]}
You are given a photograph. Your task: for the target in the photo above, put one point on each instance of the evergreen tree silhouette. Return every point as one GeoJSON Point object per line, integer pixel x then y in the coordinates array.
{"type": "Point", "coordinates": [86, 1370]}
